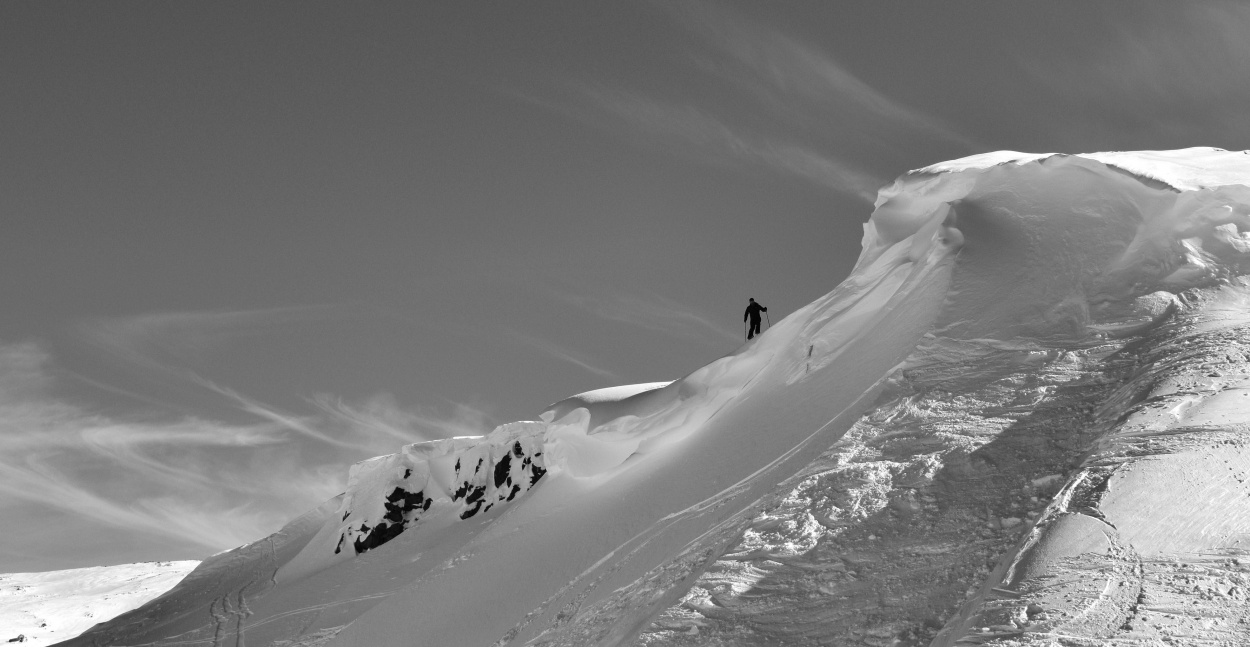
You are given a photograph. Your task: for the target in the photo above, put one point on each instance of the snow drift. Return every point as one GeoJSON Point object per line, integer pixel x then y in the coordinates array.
{"type": "Point", "coordinates": [580, 527]}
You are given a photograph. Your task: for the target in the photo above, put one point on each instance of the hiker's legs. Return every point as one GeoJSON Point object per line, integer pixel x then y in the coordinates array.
{"type": "Point", "coordinates": [755, 329]}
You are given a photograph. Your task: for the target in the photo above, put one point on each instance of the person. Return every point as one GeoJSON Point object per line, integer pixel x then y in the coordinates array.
{"type": "Point", "coordinates": [753, 313]}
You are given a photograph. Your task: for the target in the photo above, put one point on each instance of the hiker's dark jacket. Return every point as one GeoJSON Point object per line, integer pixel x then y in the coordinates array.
{"type": "Point", "coordinates": [753, 312]}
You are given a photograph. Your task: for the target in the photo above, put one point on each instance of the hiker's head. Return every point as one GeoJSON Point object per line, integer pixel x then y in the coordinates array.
{"type": "Point", "coordinates": [751, 300]}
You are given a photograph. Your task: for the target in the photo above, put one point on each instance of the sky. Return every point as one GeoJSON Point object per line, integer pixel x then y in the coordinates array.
{"type": "Point", "coordinates": [248, 244]}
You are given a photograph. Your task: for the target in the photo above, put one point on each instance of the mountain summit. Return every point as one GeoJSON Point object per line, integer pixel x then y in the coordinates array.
{"type": "Point", "coordinates": [1021, 416]}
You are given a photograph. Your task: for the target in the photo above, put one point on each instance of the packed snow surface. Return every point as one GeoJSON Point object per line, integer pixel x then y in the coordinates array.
{"type": "Point", "coordinates": [39, 609]}
{"type": "Point", "coordinates": [991, 294]}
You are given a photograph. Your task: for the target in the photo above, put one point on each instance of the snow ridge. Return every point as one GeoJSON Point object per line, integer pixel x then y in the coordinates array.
{"type": "Point", "coordinates": [992, 294]}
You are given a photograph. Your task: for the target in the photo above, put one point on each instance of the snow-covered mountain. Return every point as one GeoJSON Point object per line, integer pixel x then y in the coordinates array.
{"type": "Point", "coordinates": [39, 609]}
{"type": "Point", "coordinates": [1019, 419]}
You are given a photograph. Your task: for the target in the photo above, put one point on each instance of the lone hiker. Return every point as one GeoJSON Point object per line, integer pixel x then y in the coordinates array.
{"type": "Point", "coordinates": [753, 312]}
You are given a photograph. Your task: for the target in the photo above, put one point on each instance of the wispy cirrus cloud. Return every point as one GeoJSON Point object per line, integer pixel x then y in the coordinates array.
{"type": "Point", "coordinates": [713, 140]}
{"type": "Point", "coordinates": [807, 100]}
{"type": "Point", "coordinates": [383, 415]}
{"type": "Point", "coordinates": [198, 481]}
{"type": "Point", "coordinates": [561, 353]}
{"type": "Point", "coordinates": [369, 426]}
{"type": "Point", "coordinates": [797, 80]}
{"type": "Point", "coordinates": [284, 420]}
{"type": "Point", "coordinates": [163, 341]}
{"type": "Point", "coordinates": [63, 456]}
{"type": "Point", "coordinates": [652, 312]}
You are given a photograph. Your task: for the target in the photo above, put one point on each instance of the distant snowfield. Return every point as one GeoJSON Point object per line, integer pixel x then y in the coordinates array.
{"type": "Point", "coordinates": [1020, 420]}
{"type": "Point", "coordinates": [46, 608]}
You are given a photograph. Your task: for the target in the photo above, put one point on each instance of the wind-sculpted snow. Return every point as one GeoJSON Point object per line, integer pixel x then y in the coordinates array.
{"type": "Point", "coordinates": [579, 528]}
{"type": "Point", "coordinates": [466, 475]}
{"type": "Point", "coordinates": [1060, 461]}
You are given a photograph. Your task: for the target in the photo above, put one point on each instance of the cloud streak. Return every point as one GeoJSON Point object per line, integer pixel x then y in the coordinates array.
{"type": "Point", "coordinates": [162, 341]}
{"type": "Point", "coordinates": [382, 415]}
{"type": "Point", "coordinates": [281, 419]}
{"type": "Point", "coordinates": [561, 353]}
{"type": "Point", "coordinates": [712, 140]}
{"type": "Point", "coordinates": [782, 72]}
{"type": "Point", "coordinates": [652, 312]}
{"type": "Point", "coordinates": [205, 483]}
{"type": "Point", "coordinates": [62, 456]}
{"type": "Point", "coordinates": [805, 91]}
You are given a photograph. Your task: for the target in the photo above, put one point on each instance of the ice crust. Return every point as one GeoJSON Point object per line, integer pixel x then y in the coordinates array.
{"type": "Point", "coordinates": [577, 528]}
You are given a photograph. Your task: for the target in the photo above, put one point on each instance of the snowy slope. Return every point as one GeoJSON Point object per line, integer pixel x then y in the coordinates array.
{"type": "Point", "coordinates": [1079, 488]}
{"type": "Point", "coordinates": [42, 608]}
{"type": "Point", "coordinates": [1003, 281]}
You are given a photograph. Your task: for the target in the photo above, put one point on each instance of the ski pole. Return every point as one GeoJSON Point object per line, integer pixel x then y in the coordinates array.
{"type": "Point", "coordinates": [768, 319]}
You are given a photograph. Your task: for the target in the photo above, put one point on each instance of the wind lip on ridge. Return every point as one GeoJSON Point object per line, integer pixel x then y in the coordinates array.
{"type": "Point", "coordinates": [1184, 169]}
{"type": "Point", "coordinates": [981, 162]}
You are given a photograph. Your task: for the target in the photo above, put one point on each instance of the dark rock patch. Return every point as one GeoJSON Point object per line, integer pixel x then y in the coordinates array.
{"type": "Point", "coordinates": [502, 468]}
{"type": "Point", "coordinates": [479, 491]}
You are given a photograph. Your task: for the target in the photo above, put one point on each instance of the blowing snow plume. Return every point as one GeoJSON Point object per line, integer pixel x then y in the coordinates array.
{"type": "Point", "coordinates": [990, 292]}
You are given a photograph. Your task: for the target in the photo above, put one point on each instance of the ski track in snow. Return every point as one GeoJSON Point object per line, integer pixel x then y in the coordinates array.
{"type": "Point", "coordinates": [1026, 476]}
